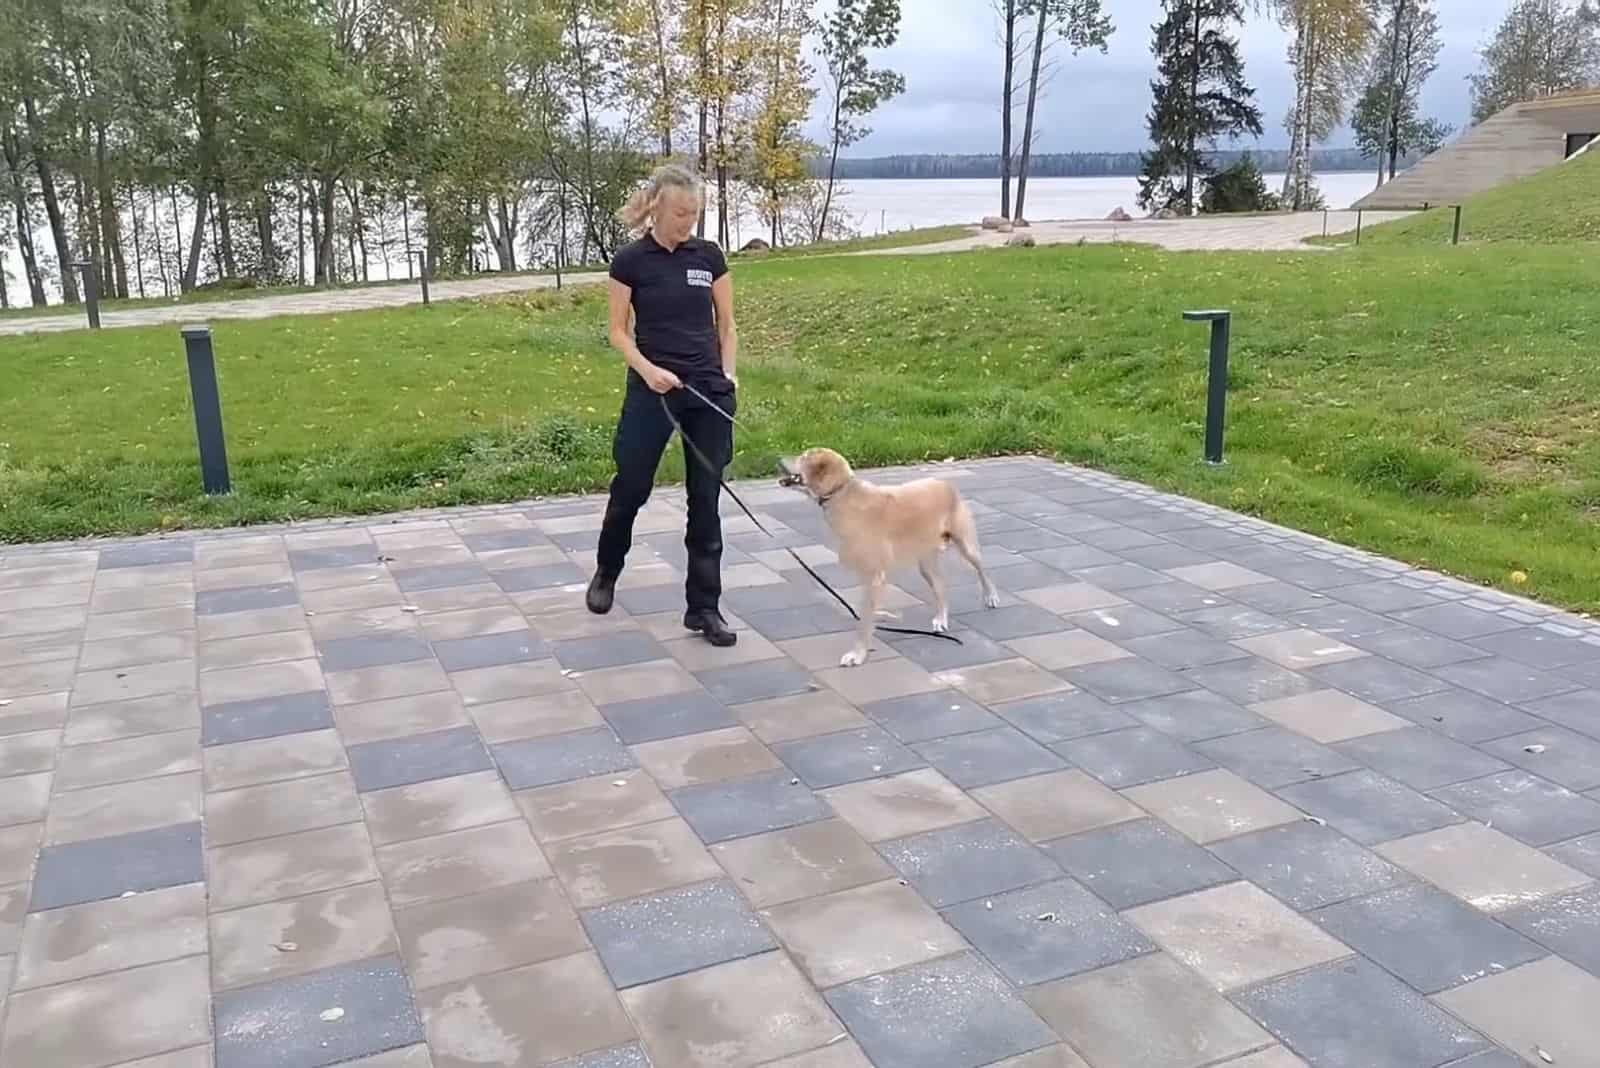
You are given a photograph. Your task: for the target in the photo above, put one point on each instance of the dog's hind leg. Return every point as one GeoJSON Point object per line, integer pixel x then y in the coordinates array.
{"type": "Point", "coordinates": [929, 566]}
{"type": "Point", "coordinates": [871, 592]}
{"type": "Point", "coordinates": [964, 536]}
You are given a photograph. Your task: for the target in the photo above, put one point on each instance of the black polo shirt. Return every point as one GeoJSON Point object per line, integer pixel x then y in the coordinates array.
{"type": "Point", "coordinates": [673, 319]}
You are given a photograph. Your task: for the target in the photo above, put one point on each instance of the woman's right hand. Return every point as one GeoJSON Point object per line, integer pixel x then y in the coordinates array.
{"type": "Point", "coordinates": [660, 379]}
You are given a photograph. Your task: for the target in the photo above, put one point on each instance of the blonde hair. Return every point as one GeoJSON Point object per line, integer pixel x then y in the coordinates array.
{"type": "Point", "coordinates": [635, 214]}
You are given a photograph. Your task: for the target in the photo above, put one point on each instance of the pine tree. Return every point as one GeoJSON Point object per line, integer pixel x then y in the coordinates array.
{"type": "Point", "coordinates": [1200, 96]}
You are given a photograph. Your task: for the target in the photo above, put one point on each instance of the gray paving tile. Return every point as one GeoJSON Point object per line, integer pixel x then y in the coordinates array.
{"type": "Point", "coordinates": [986, 757]}
{"type": "Point", "coordinates": [1131, 679]}
{"type": "Point", "coordinates": [1377, 680]}
{"type": "Point", "coordinates": [1457, 621]}
{"type": "Point", "coordinates": [538, 577]}
{"type": "Point", "coordinates": [847, 756]}
{"type": "Point", "coordinates": [1123, 622]}
{"type": "Point", "coordinates": [1280, 598]}
{"type": "Point", "coordinates": [440, 577]}
{"type": "Point", "coordinates": [1231, 622]}
{"type": "Point", "coordinates": [629, 1056]}
{"type": "Point", "coordinates": [758, 681]}
{"type": "Point", "coordinates": [418, 758]}
{"type": "Point", "coordinates": [652, 719]}
{"type": "Point", "coordinates": [491, 541]}
{"type": "Point", "coordinates": [1385, 595]}
{"type": "Point", "coordinates": [1578, 711]}
{"type": "Point", "coordinates": [660, 935]}
{"type": "Point", "coordinates": [102, 868]}
{"type": "Point", "coordinates": [1420, 758]}
{"type": "Point", "coordinates": [1307, 866]}
{"type": "Point", "coordinates": [1070, 557]}
{"type": "Point", "coordinates": [1536, 647]}
{"type": "Point", "coordinates": [1580, 853]}
{"type": "Point", "coordinates": [1274, 757]}
{"type": "Point", "coordinates": [265, 717]}
{"type": "Point", "coordinates": [1557, 754]}
{"type": "Point", "coordinates": [245, 599]}
{"type": "Point", "coordinates": [372, 650]}
{"type": "Point", "coordinates": [561, 758]}
{"type": "Point", "coordinates": [1464, 716]}
{"type": "Point", "coordinates": [1350, 1014]}
{"type": "Point", "coordinates": [1418, 648]}
{"type": "Point", "coordinates": [322, 559]}
{"type": "Point", "coordinates": [950, 1013]}
{"type": "Point", "coordinates": [1505, 680]}
{"type": "Point", "coordinates": [920, 717]}
{"type": "Point", "coordinates": [1425, 936]}
{"type": "Point", "coordinates": [1526, 807]}
{"type": "Point", "coordinates": [1251, 681]}
{"type": "Point", "coordinates": [773, 801]}
{"type": "Point", "coordinates": [1193, 715]}
{"type": "Point", "coordinates": [609, 650]}
{"type": "Point", "coordinates": [1343, 622]}
{"type": "Point", "coordinates": [283, 1022]}
{"type": "Point", "coordinates": [968, 861]}
{"type": "Point", "coordinates": [946, 656]}
{"type": "Point", "coordinates": [1136, 863]}
{"type": "Point", "coordinates": [1057, 717]}
{"type": "Point", "coordinates": [802, 622]}
{"type": "Point", "coordinates": [147, 554]}
{"type": "Point", "coordinates": [1132, 756]}
{"type": "Point", "coordinates": [1047, 932]}
{"type": "Point", "coordinates": [1568, 924]}
{"type": "Point", "coordinates": [488, 650]}
{"type": "Point", "coordinates": [1181, 649]}
{"type": "Point", "coordinates": [1173, 598]}
{"type": "Point", "coordinates": [1368, 807]}
{"type": "Point", "coordinates": [1017, 621]}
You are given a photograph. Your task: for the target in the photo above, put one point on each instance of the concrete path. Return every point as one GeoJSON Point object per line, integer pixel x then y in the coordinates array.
{"type": "Point", "coordinates": [1253, 233]}
{"type": "Point", "coordinates": [1202, 792]}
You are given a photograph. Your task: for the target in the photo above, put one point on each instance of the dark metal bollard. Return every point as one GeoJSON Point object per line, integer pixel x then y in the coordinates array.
{"type": "Point", "coordinates": [1324, 222]}
{"type": "Point", "coordinates": [1217, 379]}
{"type": "Point", "coordinates": [1358, 227]}
{"type": "Point", "coordinates": [1455, 233]}
{"type": "Point", "coordinates": [422, 272]}
{"type": "Point", "coordinates": [91, 291]}
{"type": "Point", "coordinates": [207, 409]}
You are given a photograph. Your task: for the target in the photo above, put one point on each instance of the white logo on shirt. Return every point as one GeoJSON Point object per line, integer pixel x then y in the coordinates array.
{"type": "Point", "coordinates": [696, 277]}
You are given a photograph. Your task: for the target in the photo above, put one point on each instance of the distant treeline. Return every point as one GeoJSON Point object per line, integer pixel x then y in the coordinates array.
{"type": "Point", "coordinates": [1073, 164]}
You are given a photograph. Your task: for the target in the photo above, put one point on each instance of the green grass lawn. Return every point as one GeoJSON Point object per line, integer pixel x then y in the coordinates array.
{"type": "Point", "coordinates": [1436, 405]}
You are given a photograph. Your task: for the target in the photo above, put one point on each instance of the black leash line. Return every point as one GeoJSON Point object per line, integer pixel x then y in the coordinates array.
{"type": "Point", "coordinates": [717, 474]}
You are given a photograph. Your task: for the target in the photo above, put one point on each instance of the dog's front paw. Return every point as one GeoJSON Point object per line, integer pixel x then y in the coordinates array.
{"type": "Point", "coordinates": [941, 624]}
{"type": "Point", "coordinates": [991, 599]}
{"type": "Point", "coordinates": [853, 658]}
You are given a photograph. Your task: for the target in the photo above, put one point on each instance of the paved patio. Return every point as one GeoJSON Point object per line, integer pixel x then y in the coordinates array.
{"type": "Point", "coordinates": [1202, 792]}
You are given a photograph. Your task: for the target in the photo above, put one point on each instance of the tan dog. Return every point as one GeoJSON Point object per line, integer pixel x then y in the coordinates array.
{"type": "Point", "coordinates": [881, 528]}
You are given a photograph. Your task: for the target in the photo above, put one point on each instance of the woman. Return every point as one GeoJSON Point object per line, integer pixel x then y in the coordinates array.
{"type": "Point", "coordinates": [677, 290]}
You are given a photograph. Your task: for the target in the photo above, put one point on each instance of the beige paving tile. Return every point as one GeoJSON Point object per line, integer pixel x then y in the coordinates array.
{"type": "Point", "coordinates": [385, 682]}
{"type": "Point", "coordinates": [239, 624]}
{"type": "Point", "coordinates": [270, 869]}
{"type": "Point", "coordinates": [102, 811]}
{"type": "Point", "coordinates": [1482, 866]}
{"type": "Point", "coordinates": [266, 573]}
{"type": "Point", "coordinates": [1548, 1005]}
{"type": "Point", "coordinates": [1273, 1057]}
{"type": "Point", "coordinates": [1209, 806]}
{"type": "Point", "coordinates": [62, 945]}
{"type": "Point", "coordinates": [1235, 935]}
{"type": "Point", "coordinates": [710, 756]}
{"type": "Point", "coordinates": [744, 1012]}
{"type": "Point", "coordinates": [1043, 807]}
{"type": "Point", "coordinates": [892, 927]}
{"type": "Point", "coordinates": [506, 927]}
{"type": "Point", "coordinates": [334, 600]}
{"type": "Point", "coordinates": [471, 622]}
{"type": "Point", "coordinates": [821, 652]}
{"type": "Point", "coordinates": [878, 680]}
{"type": "Point", "coordinates": [1067, 649]}
{"type": "Point", "coordinates": [13, 910]}
{"type": "Point", "coordinates": [127, 759]}
{"type": "Point", "coordinates": [1071, 597]}
{"type": "Point", "coordinates": [193, 1057]}
{"type": "Point", "coordinates": [1219, 575]}
{"type": "Point", "coordinates": [800, 862]}
{"type": "Point", "coordinates": [47, 676]}
{"type": "Point", "coordinates": [900, 805]}
{"type": "Point", "coordinates": [256, 649]}
{"type": "Point", "coordinates": [18, 847]}
{"type": "Point", "coordinates": [36, 712]}
{"type": "Point", "coordinates": [589, 806]}
{"type": "Point", "coordinates": [461, 862]}
{"type": "Point", "coordinates": [439, 805]}
{"type": "Point", "coordinates": [110, 1019]}
{"type": "Point", "coordinates": [398, 717]}
{"type": "Point", "coordinates": [292, 756]}
{"type": "Point", "coordinates": [697, 654]}
{"type": "Point", "coordinates": [144, 598]}
{"type": "Point", "coordinates": [507, 682]}
{"type": "Point", "coordinates": [275, 808]}
{"type": "Point", "coordinates": [629, 862]}
{"type": "Point", "coordinates": [459, 598]}
{"type": "Point", "coordinates": [537, 1015]}
{"type": "Point", "coordinates": [1007, 680]}
{"type": "Point", "coordinates": [23, 798]}
{"type": "Point", "coordinates": [261, 680]}
{"type": "Point", "coordinates": [387, 618]}
{"type": "Point", "coordinates": [1298, 650]}
{"type": "Point", "coordinates": [124, 624]}
{"type": "Point", "coordinates": [1329, 716]}
{"type": "Point", "coordinates": [654, 678]}
{"type": "Point", "coordinates": [804, 715]}
{"type": "Point", "coordinates": [535, 717]}
{"type": "Point", "coordinates": [128, 719]}
{"type": "Point", "coordinates": [300, 934]}
{"type": "Point", "coordinates": [146, 649]}
{"type": "Point", "coordinates": [29, 752]}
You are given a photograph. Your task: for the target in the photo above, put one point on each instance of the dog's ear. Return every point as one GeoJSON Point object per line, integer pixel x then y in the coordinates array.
{"type": "Point", "coordinates": [827, 472]}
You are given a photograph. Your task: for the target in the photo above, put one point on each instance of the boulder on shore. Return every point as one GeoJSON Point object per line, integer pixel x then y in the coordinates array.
{"type": "Point", "coordinates": [1004, 227]}
{"type": "Point", "coordinates": [1020, 241]}
{"type": "Point", "coordinates": [992, 222]}
{"type": "Point", "coordinates": [1165, 213]}
{"type": "Point", "coordinates": [1020, 224]}
{"type": "Point", "coordinates": [755, 244]}
{"type": "Point", "coordinates": [1119, 216]}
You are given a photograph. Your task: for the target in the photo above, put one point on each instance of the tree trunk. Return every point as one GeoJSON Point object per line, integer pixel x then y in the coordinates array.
{"type": "Point", "coordinates": [110, 218]}
{"type": "Point", "coordinates": [1010, 17]}
{"type": "Point", "coordinates": [224, 218]}
{"type": "Point", "coordinates": [325, 249]}
{"type": "Point", "coordinates": [161, 251]}
{"type": "Point", "coordinates": [664, 86]}
{"type": "Point", "coordinates": [197, 236]}
{"type": "Point", "coordinates": [300, 232]}
{"type": "Point", "coordinates": [52, 202]}
{"type": "Point", "coordinates": [1033, 96]}
{"type": "Point", "coordinates": [703, 82]}
{"type": "Point", "coordinates": [1390, 111]}
{"type": "Point", "coordinates": [1190, 204]}
{"type": "Point", "coordinates": [177, 232]}
{"type": "Point", "coordinates": [833, 166]}
{"type": "Point", "coordinates": [264, 238]}
{"type": "Point", "coordinates": [138, 242]}
{"type": "Point", "coordinates": [12, 149]}
{"type": "Point", "coordinates": [508, 231]}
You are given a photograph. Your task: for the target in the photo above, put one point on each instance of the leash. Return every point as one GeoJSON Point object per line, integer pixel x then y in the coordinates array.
{"type": "Point", "coordinates": [717, 474]}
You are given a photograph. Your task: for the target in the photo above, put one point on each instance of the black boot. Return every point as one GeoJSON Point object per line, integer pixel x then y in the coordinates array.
{"type": "Point", "coordinates": [602, 593]}
{"type": "Point", "coordinates": [710, 623]}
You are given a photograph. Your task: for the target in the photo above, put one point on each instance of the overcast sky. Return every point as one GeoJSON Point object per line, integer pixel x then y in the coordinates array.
{"type": "Point", "coordinates": [950, 56]}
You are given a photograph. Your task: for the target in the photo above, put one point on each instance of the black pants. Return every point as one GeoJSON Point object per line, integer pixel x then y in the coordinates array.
{"type": "Point", "coordinates": [642, 434]}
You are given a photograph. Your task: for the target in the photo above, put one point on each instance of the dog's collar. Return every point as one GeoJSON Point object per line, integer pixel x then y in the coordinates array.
{"type": "Point", "coordinates": [822, 502]}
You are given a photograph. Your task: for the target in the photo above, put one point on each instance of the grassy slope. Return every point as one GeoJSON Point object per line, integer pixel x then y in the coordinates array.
{"type": "Point", "coordinates": [1437, 406]}
{"type": "Point", "coordinates": [1556, 205]}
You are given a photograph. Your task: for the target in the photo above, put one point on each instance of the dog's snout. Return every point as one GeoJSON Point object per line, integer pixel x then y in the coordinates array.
{"type": "Point", "coordinates": [789, 474]}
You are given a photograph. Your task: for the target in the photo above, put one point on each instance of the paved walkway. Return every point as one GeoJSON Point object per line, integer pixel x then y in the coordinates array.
{"type": "Point", "coordinates": [1257, 233]}
{"type": "Point", "coordinates": [1202, 792]}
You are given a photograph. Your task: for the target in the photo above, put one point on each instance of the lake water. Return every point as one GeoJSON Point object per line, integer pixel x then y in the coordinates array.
{"type": "Point", "coordinates": [876, 206]}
